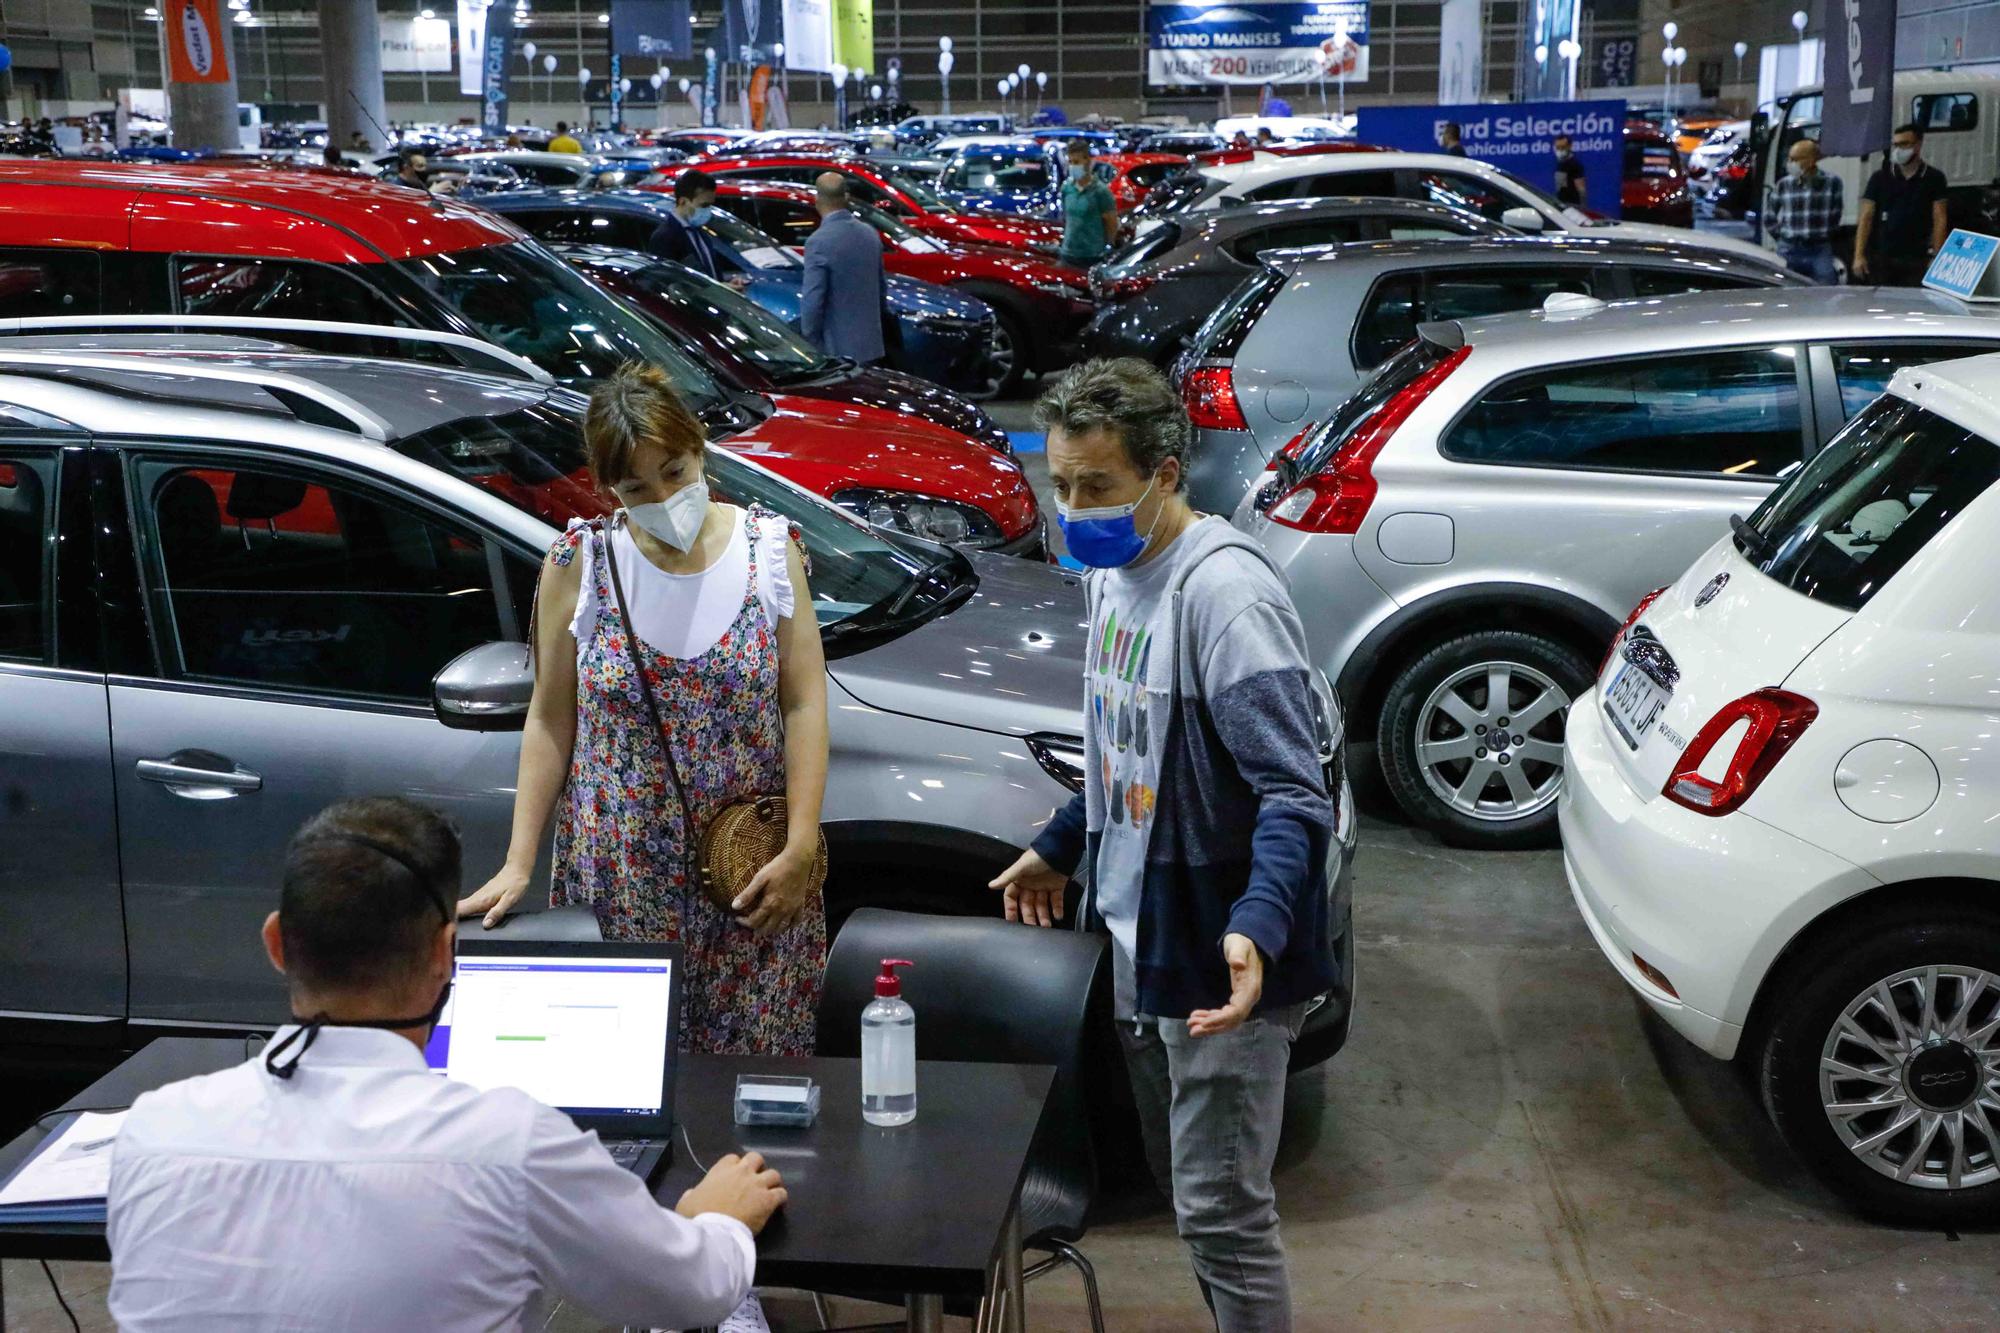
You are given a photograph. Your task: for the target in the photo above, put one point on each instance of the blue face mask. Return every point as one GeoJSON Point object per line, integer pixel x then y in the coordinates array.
{"type": "Point", "coordinates": [1106, 538]}
{"type": "Point", "coordinates": [701, 216]}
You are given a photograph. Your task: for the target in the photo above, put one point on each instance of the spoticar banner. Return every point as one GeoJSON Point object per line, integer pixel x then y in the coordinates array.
{"type": "Point", "coordinates": [1253, 42]}
{"type": "Point", "coordinates": [496, 60]}
{"type": "Point", "coordinates": [662, 29]}
{"type": "Point", "coordinates": [1518, 138]}
{"type": "Point", "coordinates": [197, 41]}
{"type": "Point", "coordinates": [1860, 62]}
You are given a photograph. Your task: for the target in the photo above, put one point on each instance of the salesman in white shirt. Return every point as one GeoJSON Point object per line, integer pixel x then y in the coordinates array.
{"type": "Point", "coordinates": [335, 1183]}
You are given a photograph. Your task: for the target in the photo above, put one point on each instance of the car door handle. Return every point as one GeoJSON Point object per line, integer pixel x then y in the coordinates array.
{"type": "Point", "coordinates": [200, 775]}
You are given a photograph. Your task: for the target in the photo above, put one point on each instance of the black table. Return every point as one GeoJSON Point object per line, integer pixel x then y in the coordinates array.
{"type": "Point", "coordinates": [926, 1209]}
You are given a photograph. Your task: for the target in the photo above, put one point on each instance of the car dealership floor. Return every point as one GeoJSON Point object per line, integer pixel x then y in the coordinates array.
{"type": "Point", "coordinates": [1509, 1141]}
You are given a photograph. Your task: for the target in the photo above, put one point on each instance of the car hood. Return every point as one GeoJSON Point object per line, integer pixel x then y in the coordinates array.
{"type": "Point", "coordinates": [829, 447]}
{"type": "Point", "coordinates": [1010, 660]}
{"type": "Point", "coordinates": [981, 259]}
{"type": "Point", "coordinates": [906, 395]}
{"type": "Point", "coordinates": [1652, 231]}
{"type": "Point", "coordinates": [1003, 229]}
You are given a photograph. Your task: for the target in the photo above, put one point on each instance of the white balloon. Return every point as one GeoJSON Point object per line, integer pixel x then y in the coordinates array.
{"type": "Point", "coordinates": [1670, 30]}
{"type": "Point", "coordinates": [944, 43]}
{"type": "Point", "coordinates": [685, 85]}
{"type": "Point", "coordinates": [1742, 49]}
{"type": "Point", "coordinates": [945, 62]}
{"type": "Point", "coordinates": [875, 92]}
{"type": "Point", "coordinates": [1041, 78]}
{"type": "Point", "coordinates": [840, 74]}
{"type": "Point", "coordinates": [1024, 71]}
{"type": "Point", "coordinates": [624, 85]}
{"type": "Point", "coordinates": [1541, 55]}
{"type": "Point", "coordinates": [656, 80]}
{"type": "Point", "coordinates": [583, 74]}
{"type": "Point", "coordinates": [548, 64]}
{"type": "Point", "coordinates": [1799, 20]}
{"type": "Point", "coordinates": [777, 50]}
{"type": "Point", "coordinates": [708, 53]}
{"type": "Point", "coordinates": [1003, 87]}
{"type": "Point", "coordinates": [528, 50]}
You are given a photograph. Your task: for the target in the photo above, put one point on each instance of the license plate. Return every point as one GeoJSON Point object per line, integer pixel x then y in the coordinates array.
{"type": "Point", "coordinates": [1634, 703]}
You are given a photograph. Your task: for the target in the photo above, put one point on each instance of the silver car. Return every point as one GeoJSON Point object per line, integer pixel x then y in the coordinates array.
{"type": "Point", "coordinates": [1464, 534]}
{"type": "Point", "coordinates": [238, 583]}
{"type": "Point", "coordinates": [1296, 339]}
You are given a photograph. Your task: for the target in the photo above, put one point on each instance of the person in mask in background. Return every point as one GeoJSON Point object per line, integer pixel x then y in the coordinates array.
{"type": "Point", "coordinates": [1801, 212]}
{"type": "Point", "coordinates": [680, 237]}
{"type": "Point", "coordinates": [1903, 216]}
{"type": "Point", "coordinates": [1203, 826]}
{"type": "Point", "coordinates": [711, 601]}
{"type": "Point", "coordinates": [333, 1182]}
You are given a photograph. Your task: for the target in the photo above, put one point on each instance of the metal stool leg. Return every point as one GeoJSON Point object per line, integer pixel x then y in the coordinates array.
{"type": "Point", "coordinates": [820, 1311]}
{"type": "Point", "coordinates": [1069, 1254]}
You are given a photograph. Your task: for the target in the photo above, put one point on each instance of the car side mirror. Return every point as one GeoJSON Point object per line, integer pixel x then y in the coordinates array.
{"type": "Point", "coordinates": [487, 688]}
{"type": "Point", "coordinates": [1523, 219]}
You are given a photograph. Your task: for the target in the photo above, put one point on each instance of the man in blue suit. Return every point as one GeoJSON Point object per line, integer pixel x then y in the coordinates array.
{"type": "Point", "coordinates": [842, 310]}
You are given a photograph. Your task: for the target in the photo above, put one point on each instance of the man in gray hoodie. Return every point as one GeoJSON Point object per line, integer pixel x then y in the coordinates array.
{"type": "Point", "coordinates": [1204, 825]}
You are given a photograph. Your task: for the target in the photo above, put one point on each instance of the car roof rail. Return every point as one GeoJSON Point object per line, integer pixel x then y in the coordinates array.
{"type": "Point", "coordinates": [491, 357]}
{"type": "Point", "coordinates": [282, 387]}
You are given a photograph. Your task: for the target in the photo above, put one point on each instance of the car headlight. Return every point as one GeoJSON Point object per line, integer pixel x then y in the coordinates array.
{"type": "Point", "coordinates": [939, 323]}
{"type": "Point", "coordinates": [1061, 757]}
{"type": "Point", "coordinates": [924, 516]}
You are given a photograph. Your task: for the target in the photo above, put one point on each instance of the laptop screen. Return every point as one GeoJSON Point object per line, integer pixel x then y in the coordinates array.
{"type": "Point", "coordinates": [586, 1032]}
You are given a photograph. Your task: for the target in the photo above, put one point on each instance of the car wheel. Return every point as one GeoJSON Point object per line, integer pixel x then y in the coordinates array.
{"type": "Point", "coordinates": [1006, 358]}
{"type": "Point", "coordinates": [1880, 1065]}
{"type": "Point", "coordinates": [1471, 737]}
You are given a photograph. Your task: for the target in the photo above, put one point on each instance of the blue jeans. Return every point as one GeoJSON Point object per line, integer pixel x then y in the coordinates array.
{"type": "Point", "coordinates": [1813, 259]}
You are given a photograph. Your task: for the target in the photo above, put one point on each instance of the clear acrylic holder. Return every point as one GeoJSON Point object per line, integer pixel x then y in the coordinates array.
{"type": "Point", "coordinates": [776, 1099]}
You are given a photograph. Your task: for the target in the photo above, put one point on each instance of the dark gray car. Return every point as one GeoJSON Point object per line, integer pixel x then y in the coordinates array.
{"type": "Point", "coordinates": [1155, 291]}
{"type": "Point", "coordinates": [1300, 336]}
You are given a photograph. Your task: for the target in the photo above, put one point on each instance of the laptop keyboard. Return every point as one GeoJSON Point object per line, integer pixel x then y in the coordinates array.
{"type": "Point", "coordinates": [627, 1152]}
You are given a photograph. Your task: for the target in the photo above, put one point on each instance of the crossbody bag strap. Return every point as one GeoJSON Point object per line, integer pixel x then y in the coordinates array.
{"type": "Point", "coordinates": [646, 693]}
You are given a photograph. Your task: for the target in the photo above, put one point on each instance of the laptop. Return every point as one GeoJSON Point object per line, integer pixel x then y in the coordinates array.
{"type": "Point", "coordinates": [588, 1027]}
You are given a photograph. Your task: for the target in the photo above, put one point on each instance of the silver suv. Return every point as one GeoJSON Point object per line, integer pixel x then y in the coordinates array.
{"type": "Point", "coordinates": [239, 581]}
{"type": "Point", "coordinates": [1298, 337]}
{"type": "Point", "coordinates": [1464, 534]}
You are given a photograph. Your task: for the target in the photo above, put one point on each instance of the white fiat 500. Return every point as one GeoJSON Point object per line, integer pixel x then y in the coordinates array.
{"type": "Point", "coordinates": [1782, 817]}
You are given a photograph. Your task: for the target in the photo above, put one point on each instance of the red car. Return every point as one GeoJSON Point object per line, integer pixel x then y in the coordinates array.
{"type": "Point", "coordinates": [1655, 187]}
{"type": "Point", "coordinates": [909, 200]}
{"type": "Point", "coordinates": [1133, 175]}
{"type": "Point", "coordinates": [1039, 306]}
{"type": "Point", "coordinates": [80, 238]}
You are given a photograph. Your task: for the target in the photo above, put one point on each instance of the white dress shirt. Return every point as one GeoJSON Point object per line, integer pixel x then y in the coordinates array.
{"type": "Point", "coordinates": [367, 1193]}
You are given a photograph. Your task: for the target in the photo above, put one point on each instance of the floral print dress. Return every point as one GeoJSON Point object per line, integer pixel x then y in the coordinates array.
{"type": "Point", "coordinates": [620, 831]}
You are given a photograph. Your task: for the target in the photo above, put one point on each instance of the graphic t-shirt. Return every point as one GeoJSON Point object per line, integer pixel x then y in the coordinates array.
{"type": "Point", "coordinates": [1128, 684]}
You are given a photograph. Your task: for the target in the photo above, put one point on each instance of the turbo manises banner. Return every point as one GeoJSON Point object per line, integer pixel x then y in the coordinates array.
{"type": "Point", "coordinates": [1254, 42]}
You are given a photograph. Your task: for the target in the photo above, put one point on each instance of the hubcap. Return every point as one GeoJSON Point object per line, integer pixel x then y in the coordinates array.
{"type": "Point", "coordinates": [1910, 1077]}
{"type": "Point", "coordinates": [999, 359]}
{"type": "Point", "coordinates": [1489, 740]}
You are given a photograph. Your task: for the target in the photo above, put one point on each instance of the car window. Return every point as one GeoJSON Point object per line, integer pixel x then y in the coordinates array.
{"type": "Point", "coordinates": [1321, 231]}
{"type": "Point", "coordinates": [1389, 319]}
{"type": "Point", "coordinates": [627, 231]}
{"type": "Point", "coordinates": [34, 283]}
{"type": "Point", "coordinates": [1283, 189]}
{"type": "Point", "coordinates": [1648, 282]}
{"type": "Point", "coordinates": [749, 331]}
{"type": "Point", "coordinates": [1225, 329]}
{"type": "Point", "coordinates": [1733, 412]}
{"type": "Point", "coordinates": [995, 171]}
{"type": "Point", "coordinates": [1945, 111]}
{"type": "Point", "coordinates": [27, 550]}
{"type": "Point", "coordinates": [278, 289]}
{"type": "Point", "coordinates": [1398, 304]}
{"type": "Point", "coordinates": [543, 174]}
{"type": "Point", "coordinates": [551, 224]}
{"type": "Point", "coordinates": [1148, 174]}
{"type": "Point", "coordinates": [1455, 190]}
{"type": "Point", "coordinates": [1868, 502]}
{"type": "Point", "coordinates": [1863, 370]}
{"type": "Point", "coordinates": [1424, 231]}
{"type": "Point", "coordinates": [301, 582]}
{"type": "Point", "coordinates": [1348, 184]}
{"type": "Point", "coordinates": [790, 222]}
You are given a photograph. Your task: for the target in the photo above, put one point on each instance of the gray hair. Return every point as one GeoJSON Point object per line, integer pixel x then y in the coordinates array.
{"type": "Point", "coordinates": [1125, 395]}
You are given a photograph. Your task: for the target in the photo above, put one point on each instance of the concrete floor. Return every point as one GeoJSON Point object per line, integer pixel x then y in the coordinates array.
{"type": "Point", "coordinates": [1509, 1141]}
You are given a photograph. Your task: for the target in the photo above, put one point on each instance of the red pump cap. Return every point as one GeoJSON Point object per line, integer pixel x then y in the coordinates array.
{"type": "Point", "coordinates": [888, 983]}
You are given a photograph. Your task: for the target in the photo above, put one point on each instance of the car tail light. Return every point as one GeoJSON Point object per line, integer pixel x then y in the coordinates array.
{"type": "Point", "coordinates": [1117, 289]}
{"type": "Point", "coordinates": [1776, 718]}
{"type": "Point", "coordinates": [1631, 620]}
{"type": "Point", "coordinates": [1209, 393]}
{"type": "Point", "coordinates": [1335, 498]}
{"type": "Point", "coordinates": [1654, 975]}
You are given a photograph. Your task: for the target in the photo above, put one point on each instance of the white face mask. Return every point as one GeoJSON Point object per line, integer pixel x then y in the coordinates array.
{"type": "Point", "coordinates": [677, 519]}
{"type": "Point", "coordinates": [1903, 156]}
{"type": "Point", "coordinates": [1797, 170]}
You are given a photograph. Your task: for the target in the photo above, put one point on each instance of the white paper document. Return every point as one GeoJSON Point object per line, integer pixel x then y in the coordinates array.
{"type": "Point", "coordinates": [76, 1166]}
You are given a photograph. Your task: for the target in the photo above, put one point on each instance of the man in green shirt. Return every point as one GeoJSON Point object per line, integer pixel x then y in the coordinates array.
{"type": "Point", "coordinates": [1090, 214]}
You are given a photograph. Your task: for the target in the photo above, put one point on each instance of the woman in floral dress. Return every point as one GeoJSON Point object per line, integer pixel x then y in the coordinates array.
{"type": "Point", "coordinates": [740, 682]}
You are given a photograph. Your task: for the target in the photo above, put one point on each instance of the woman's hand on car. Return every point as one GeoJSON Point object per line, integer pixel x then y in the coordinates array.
{"type": "Point", "coordinates": [773, 899]}
{"type": "Point", "coordinates": [496, 898]}
{"type": "Point", "coordinates": [1034, 890]}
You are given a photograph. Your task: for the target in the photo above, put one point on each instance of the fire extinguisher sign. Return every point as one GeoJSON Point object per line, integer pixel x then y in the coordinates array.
{"type": "Point", "coordinates": [197, 41]}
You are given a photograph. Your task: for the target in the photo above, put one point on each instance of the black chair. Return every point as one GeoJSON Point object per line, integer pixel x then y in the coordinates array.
{"type": "Point", "coordinates": [993, 993]}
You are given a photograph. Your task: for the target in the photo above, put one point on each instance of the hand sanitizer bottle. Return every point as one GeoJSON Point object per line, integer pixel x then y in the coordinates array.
{"type": "Point", "coordinates": [889, 1052]}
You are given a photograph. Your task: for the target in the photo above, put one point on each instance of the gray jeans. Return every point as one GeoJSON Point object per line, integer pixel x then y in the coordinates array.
{"type": "Point", "coordinates": [1210, 1109]}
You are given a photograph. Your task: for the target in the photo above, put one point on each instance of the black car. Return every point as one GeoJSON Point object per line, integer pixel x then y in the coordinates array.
{"type": "Point", "coordinates": [756, 350]}
{"type": "Point", "coordinates": [1154, 292]}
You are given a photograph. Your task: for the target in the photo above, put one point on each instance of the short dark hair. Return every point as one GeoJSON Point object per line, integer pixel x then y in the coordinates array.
{"type": "Point", "coordinates": [1122, 394]}
{"type": "Point", "coordinates": [692, 184]}
{"type": "Point", "coordinates": [367, 882]}
{"type": "Point", "coordinates": [1453, 128]}
{"type": "Point", "coordinates": [1561, 138]}
{"type": "Point", "coordinates": [562, 127]}
{"type": "Point", "coordinates": [1910, 128]}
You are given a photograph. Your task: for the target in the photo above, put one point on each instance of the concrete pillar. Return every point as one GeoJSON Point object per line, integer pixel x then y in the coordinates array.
{"type": "Point", "coordinates": [203, 115]}
{"type": "Point", "coordinates": [351, 44]}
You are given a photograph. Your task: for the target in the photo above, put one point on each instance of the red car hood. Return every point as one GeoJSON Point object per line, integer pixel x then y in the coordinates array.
{"type": "Point", "coordinates": [989, 229]}
{"type": "Point", "coordinates": [974, 260]}
{"type": "Point", "coordinates": [832, 447]}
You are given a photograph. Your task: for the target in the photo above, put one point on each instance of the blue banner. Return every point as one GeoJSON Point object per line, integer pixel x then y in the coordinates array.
{"type": "Point", "coordinates": [1519, 138]}
{"type": "Point", "coordinates": [497, 57]}
{"type": "Point", "coordinates": [662, 29]}
{"type": "Point", "coordinates": [1256, 42]}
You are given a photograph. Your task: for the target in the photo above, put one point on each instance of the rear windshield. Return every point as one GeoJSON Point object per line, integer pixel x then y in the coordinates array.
{"type": "Point", "coordinates": [1136, 254]}
{"type": "Point", "coordinates": [1396, 373]}
{"type": "Point", "coordinates": [1224, 331]}
{"type": "Point", "coordinates": [1868, 503]}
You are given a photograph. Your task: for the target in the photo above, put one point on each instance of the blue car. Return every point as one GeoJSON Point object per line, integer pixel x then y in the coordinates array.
{"type": "Point", "coordinates": [1014, 176]}
{"type": "Point", "coordinates": [938, 334]}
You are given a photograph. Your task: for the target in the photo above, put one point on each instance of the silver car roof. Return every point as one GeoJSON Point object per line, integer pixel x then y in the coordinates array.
{"type": "Point", "coordinates": [1479, 250]}
{"type": "Point", "coordinates": [1232, 219]}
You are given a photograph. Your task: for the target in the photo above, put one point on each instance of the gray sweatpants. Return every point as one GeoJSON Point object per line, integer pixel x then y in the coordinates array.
{"type": "Point", "coordinates": [1210, 1109]}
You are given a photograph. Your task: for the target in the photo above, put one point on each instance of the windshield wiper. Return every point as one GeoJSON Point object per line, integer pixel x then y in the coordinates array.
{"type": "Point", "coordinates": [901, 601]}
{"type": "Point", "coordinates": [1749, 540]}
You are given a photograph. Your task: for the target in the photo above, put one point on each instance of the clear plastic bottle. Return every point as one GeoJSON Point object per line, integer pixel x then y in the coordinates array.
{"type": "Point", "coordinates": [889, 1052]}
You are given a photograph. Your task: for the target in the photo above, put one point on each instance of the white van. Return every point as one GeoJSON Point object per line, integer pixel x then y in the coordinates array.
{"type": "Point", "coordinates": [1960, 116]}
